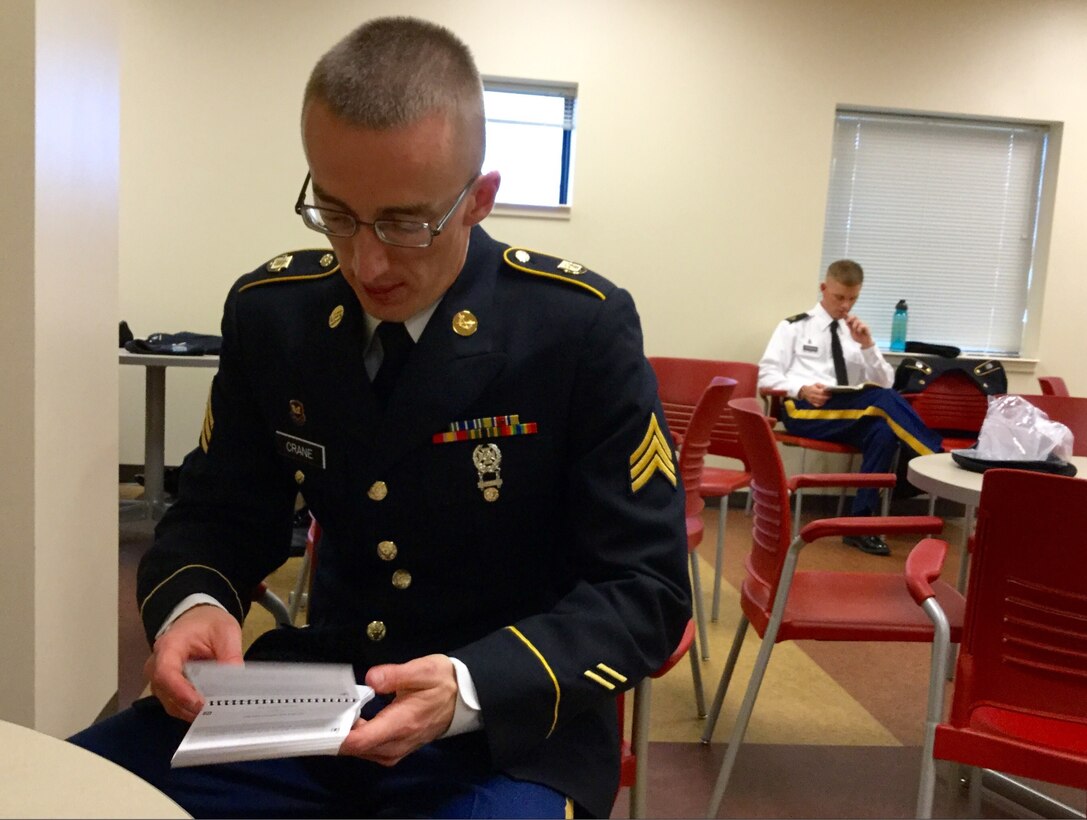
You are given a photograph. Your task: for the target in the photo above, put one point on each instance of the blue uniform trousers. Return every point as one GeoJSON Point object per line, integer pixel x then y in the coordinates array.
{"type": "Point", "coordinates": [447, 778]}
{"type": "Point", "coordinates": [877, 421]}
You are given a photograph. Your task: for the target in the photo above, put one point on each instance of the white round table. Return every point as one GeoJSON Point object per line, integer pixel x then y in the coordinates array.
{"type": "Point", "coordinates": [939, 475]}
{"type": "Point", "coordinates": [43, 776]}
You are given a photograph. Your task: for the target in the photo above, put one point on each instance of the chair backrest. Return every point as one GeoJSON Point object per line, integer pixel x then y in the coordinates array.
{"type": "Point", "coordinates": [696, 440]}
{"type": "Point", "coordinates": [951, 403]}
{"type": "Point", "coordinates": [1026, 605]}
{"type": "Point", "coordinates": [772, 523]}
{"type": "Point", "coordinates": [1070, 411]}
{"type": "Point", "coordinates": [1053, 386]}
{"type": "Point", "coordinates": [680, 383]}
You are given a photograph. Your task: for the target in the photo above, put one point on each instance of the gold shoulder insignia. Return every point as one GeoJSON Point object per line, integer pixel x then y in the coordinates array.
{"type": "Point", "coordinates": [653, 455]}
{"type": "Point", "coordinates": [552, 267]}
{"type": "Point", "coordinates": [297, 266]}
{"type": "Point", "coordinates": [796, 318]}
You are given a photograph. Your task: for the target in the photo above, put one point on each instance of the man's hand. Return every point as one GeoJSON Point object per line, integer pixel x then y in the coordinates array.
{"type": "Point", "coordinates": [859, 331]}
{"type": "Point", "coordinates": [201, 633]}
{"type": "Point", "coordinates": [426, 696]}
{"type": "Point", "coordinates": [814, 394]}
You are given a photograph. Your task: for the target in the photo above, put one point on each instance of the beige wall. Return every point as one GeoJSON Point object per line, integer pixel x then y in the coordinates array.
{"type": "Point", "coordinates": [702, 148]}
{"type": "Point", "coordinates": [58, 497]}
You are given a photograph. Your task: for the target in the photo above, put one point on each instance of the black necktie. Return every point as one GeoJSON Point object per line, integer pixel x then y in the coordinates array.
{"type": "Point", "coordinates": [836, 354]}
{"type": "Point", "coordinates": [396, 345]}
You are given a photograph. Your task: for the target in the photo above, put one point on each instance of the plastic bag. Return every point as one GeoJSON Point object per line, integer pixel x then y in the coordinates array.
{"type": "Point", "coordinates": [1016, 430]}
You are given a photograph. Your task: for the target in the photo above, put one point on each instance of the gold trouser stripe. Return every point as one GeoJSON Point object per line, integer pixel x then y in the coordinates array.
{"type": "Point", "coordinates": [508, 256]}
{"type": "Point", "coordinates": [591, 675]}
{"type": "Point", "coordinates": [569, 809]}
{"type": "Point", "coordinates": [193, 566]}
{"type": "Point", "coordinates": [550, 673]}
{"type": "Point", "coordinates": [603, 667]}
{"type": "Point", "coordinates": [831, 415]}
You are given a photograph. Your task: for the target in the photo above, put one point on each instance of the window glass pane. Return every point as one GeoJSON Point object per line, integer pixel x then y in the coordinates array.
{"type": "Point", "coordinates": [942, 213]}
{"type": "Point", "coordinates": [530, 160]}
{"type": "Point", "coordinates": [530, 141]}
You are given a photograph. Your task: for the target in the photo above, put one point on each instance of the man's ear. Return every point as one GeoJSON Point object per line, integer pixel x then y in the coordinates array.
{"type": "Point", "coordinates": [481, 199]}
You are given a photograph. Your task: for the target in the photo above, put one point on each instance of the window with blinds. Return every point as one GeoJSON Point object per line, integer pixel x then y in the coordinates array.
{"type": "Point", "coordinates": [530, 139]}
{"type": "Point", "coordinates": [941, 212]}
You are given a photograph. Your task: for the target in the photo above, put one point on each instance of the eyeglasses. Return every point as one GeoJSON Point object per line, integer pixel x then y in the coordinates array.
{"type": "Point", "coordinates": [398, 232]}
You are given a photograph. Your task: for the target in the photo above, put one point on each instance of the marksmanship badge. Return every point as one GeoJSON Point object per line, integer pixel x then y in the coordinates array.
{"type": "Point", "coordinates": [488, 460]}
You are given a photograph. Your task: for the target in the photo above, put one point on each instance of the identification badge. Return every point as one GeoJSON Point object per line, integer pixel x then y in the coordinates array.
{"type": "Point", "coordinates": [298, 449]}
{"type": "Point", "coordinates": [811, 348]}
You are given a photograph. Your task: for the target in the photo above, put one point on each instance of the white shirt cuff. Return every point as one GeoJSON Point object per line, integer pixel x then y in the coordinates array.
{"type": "Point", "coordinates": [467, 716]}
{"type": "Point", "coordinates": [187, 603]}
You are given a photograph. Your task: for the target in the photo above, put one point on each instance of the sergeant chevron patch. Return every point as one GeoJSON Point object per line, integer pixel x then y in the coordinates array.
{"type": "Point", "coordinates": [653, 455]}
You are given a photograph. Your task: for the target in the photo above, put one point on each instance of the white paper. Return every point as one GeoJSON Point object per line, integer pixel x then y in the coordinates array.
{"type": "Point", "coordinates": [263, 710]}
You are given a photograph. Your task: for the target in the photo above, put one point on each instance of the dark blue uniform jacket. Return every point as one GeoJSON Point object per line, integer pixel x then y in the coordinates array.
{"type": "Point", "coordinates": [567, 588]}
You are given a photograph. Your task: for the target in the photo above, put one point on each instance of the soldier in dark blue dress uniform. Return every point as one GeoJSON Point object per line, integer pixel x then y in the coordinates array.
{"type": "Point", "coordinates": [474, 426]}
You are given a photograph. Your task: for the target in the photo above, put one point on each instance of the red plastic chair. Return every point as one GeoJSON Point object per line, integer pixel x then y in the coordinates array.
{"type": "Point", "coordinates": [783, 604]}
{"type": "Point", "coordinates": [634, 751]}
{"type": "Point", "coordinates": [1068, 410]}
{"type": "Point", "coordinates": [954, 406]}
{"type": "Point", "coordinates": [1020, 699]}
{"type": "Point", "coordinates": [680, 383]}
{"type": "Point", "coordinates": [1053, 386]}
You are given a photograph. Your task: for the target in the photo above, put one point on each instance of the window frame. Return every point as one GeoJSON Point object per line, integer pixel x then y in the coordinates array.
{"type": "Point", "coordinates": [1043, 217]}
{"type": "Point", "coordinates": [568, 90]}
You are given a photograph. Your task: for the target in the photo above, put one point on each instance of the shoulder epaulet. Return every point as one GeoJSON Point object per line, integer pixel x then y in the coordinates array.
{"type": "Point", "coordinates": [295, 266]}
{"type": "Point", "coordinates": [560, 270]}
{"type": "Point", "coordinates": [796, 318]}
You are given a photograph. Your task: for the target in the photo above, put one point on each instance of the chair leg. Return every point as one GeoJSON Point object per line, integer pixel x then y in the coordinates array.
{"type": "Point", "coordinates": [798, 497]}
{"type": "Point", "coordinates": [639, 744]}
{"type": "Point", "coordinates": [769, 637]}
{"type": "Point", "coordinates": [718, 564]}
{"type": "Point", "coordinates": [275, 606]}
{"type": "Point", "coordinates": [743, 717]}
{"type": "Point", "coordinates": [299, 597]}
{"type": "Point", "coordinates": [696, 678]}
{"type": "Point", "coordinates": [964, 554]}
{"type": "Point", "coordinates": [973, 786]}
{"type": "Point", "coordinates": [937, 673]}
{"type": "Point", "coordinates": [699, 615]}
{"type": "Point", "coordinates": [726, 677]}
{"type": "Point", "coordinates": [842, 494]}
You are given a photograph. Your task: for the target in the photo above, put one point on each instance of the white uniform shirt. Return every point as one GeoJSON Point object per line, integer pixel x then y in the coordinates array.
{"type": "Point", "coordinates": [799, 354]}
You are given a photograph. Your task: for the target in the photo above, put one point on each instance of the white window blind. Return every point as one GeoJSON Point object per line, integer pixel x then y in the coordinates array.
{"type": "Point", "coordinates": [941, 212]}
{"type": "Point", "coordinates": [530, 127]}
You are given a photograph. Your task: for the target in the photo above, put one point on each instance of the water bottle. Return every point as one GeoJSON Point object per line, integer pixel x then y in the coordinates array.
{"type": "Point", "coordinates": [898, 327]}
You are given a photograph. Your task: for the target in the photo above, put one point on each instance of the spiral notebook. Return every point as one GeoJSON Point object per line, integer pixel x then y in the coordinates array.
{"type": "Point", "coordinates": [261, 710]}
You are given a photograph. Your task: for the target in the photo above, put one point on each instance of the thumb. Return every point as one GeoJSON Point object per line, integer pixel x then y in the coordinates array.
{"type": "Point", "coordinates": [382, 679]}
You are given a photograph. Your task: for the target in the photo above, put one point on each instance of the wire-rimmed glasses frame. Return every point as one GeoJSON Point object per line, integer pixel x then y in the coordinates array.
{"type": "Point", "coordinates": [399, 232]}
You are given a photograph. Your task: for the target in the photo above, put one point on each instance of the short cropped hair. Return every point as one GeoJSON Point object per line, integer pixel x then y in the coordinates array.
{"type": "Point", "coordinates": [847, 272]}
{"type": "Point", "coordinates": [392, 71]}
